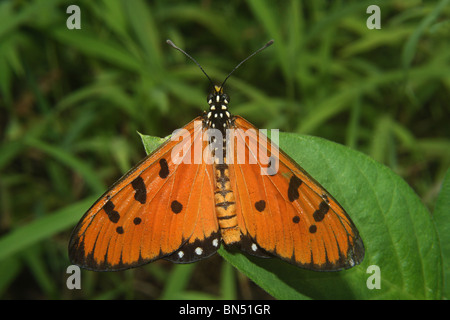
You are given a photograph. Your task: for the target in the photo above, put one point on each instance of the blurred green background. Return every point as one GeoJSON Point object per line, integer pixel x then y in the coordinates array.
{"type": "Point", "coordinates": [72, 101]}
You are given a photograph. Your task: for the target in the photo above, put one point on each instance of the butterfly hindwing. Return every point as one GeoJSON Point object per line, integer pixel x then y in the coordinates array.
{"type": "Point", "coordinates": [151, 213]}
{"type": "Point", "coordinates": [197, 249]}
{"type": "Point", "coordinates": [248, 245]}
{"type": "Point", "coordinates": [205, 239]}
{"type": "Point", "coordinates": [287, 213]}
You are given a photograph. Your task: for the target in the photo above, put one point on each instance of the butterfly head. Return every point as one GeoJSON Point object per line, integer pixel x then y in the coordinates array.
{"type": "Point", "coordinates": [218, 116]}
{"type": "Point", "coordinates": [218, 99]}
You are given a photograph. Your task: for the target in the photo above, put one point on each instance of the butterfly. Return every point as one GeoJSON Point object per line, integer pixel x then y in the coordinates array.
{"type": "Point", "coordinates": [196, 192]}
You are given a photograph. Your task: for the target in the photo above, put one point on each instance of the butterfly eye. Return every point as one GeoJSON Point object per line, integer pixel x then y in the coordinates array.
{"type": "Point", "coordinates": [225, 98]}
{"type": "Point", "coordinates": [210, 98]}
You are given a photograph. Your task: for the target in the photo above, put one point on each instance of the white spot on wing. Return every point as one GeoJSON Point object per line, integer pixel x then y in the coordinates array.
{"type": "Point", "coordinates": [198, 251]}
{"type": "Point", "coordinates": [351, 262]}
{"type": "Point", "coordinates": [254, 247]}
{"type": "Point", "coordinates": [180, 254]}
{"type": "Point", "coordinates": [215, 242]}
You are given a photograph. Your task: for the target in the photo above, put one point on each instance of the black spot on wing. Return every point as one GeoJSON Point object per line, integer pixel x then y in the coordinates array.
{"type": "Point", "coordinates": [260, 205]}
{"type": "Point", "coordinates": [294, 184]}
{"type": "Point", "coordinates": [113, 215]}
{"type": "Point", "coordinates": [319, 214]}
{"type": "Point", "coordinates": [176, 206]}
{"type": "Point", "coordinates": [140, 190]}
{"type": "Point", "coordinates": [164, 171]}
{"type": "Point", "coordinates": [119, 230]}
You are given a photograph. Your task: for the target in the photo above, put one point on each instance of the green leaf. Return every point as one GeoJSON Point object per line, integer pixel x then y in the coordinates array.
{"type": "Point", "coordinates": [397, 230]}
{"type": "Point", "coordinates": [150, 143]}
{"type": "Point", "coordinates": [395, 226]}
{"type": "Point", "coordinates": [441, 217]}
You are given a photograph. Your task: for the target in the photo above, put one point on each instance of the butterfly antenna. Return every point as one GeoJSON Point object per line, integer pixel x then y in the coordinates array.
{"type": "Point", "coordinates": [257, 51]}
{"type": "Point", "coordinates": [169, 42]}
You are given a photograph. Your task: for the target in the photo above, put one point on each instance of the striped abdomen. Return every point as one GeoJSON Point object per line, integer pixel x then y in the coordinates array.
{"type": "Point", "coordinates": [225, 205]}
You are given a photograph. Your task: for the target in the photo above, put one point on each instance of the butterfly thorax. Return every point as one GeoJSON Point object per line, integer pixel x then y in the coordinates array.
{"type": "Point", "coordinates": [218, 117]}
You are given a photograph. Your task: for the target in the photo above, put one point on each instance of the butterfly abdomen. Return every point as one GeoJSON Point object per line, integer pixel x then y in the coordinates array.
{"type": "Point", "coordinates": [225, 205]}
{"type": "Point", "coordinates": [219, 118]}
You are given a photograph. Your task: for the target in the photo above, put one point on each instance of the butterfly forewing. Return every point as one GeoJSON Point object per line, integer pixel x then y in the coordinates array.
{"type": "Point", "coordinates": [289, 214]}
{"type": "Point", "coordinates": [154, 211]}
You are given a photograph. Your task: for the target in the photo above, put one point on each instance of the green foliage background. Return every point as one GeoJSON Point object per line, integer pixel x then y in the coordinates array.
{"type": "Point", "coordinates": [72, 101]}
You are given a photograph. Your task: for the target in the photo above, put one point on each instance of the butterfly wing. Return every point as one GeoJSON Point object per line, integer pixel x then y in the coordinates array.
{"type": "Point", "coordinates": [286, 212]}
{"type": "Point", "coordinates": [162, 208]}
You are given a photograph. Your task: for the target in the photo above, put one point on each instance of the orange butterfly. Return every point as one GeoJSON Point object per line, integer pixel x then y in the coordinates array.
{"type": "Point", "coordinates": [181, 208]}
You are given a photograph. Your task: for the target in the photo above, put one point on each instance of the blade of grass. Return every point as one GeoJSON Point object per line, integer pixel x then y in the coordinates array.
{"type": "Point", "coordinates": [178, 280]}
{"type": "Point", "coordinates": [409, 50]}
{"type": "Point", "coordinates": [227, 282]}
{"type": "Point", "coordinates": [381, 138]}
{"type": "Point", "coordinates": [340, 101]}
{"type": "Point", "coordinates": [68, 159]}
{"type": "Point", "coordinates": [9, 269]}
{"type": "Point", "coordinates": [144, 27]}
{"type": "Point", "coordinates": [92, 46]}
{"type": "Point", "coordinates": [265, 13]}
{"type": "Point", "coordinates": [353, 128]}
{"type": "Point", "coordinates": [43, 228]}
{"type": "Point", "coordinates": [35, 262]}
